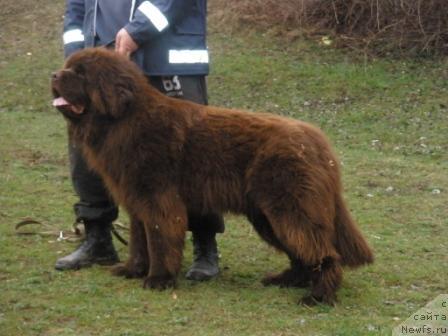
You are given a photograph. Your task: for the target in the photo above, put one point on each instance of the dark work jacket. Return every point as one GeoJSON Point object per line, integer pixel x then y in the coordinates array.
{"type": "Point", "coordinates": [170, 33]}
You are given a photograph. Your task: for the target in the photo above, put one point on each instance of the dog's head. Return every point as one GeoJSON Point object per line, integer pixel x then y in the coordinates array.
{"type": "Point", "coordinates": [96, 81]}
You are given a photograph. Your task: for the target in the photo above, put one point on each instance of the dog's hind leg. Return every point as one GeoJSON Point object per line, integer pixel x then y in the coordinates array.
{"type": "Point", "coordinates": [137, 265]}
{"type": "Point", "coordinates": [326, 278]}
{"type": "Point", "coordinates": [295, 276]}
{"type": "Point", "coordinates": [165, 224]}
{"type": "Point", "coordinates": [312, 245]}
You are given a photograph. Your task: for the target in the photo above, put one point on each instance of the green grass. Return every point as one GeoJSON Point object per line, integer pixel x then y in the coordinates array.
{"type": "Point", "coordinates": [386, 118]}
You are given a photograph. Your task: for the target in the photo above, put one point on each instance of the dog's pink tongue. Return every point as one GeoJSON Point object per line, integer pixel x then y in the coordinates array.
{"type": "Point", "coordinates": [60, 102]}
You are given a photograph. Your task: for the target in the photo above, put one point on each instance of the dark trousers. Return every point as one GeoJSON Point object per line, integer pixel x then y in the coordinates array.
{"type": "Point", "coordinates": [95, 204]}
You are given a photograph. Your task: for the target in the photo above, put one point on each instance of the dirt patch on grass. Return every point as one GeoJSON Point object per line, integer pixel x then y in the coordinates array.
{"type": "Point", "coordinates": [33, 157]}
{"type": "Point", "coordinates": [27, 26]}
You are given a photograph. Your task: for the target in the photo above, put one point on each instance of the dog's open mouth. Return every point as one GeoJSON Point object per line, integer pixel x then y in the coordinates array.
{"type": "Point", "coordinates": [62, 104]}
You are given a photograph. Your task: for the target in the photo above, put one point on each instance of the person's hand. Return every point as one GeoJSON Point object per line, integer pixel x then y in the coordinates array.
{"type": "Point", "coordinates": [124, 44]}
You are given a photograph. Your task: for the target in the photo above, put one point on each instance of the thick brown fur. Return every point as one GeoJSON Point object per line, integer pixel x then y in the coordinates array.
{"type": "Point", "coordinates": [164, 158]}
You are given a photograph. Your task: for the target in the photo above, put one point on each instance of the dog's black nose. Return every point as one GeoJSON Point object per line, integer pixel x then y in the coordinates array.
{"type": "Point", "coordinates": [55, 75]}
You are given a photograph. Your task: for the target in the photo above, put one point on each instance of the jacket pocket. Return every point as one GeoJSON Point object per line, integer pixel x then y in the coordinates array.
{"type": "Point", "coordinates": [192, 25]}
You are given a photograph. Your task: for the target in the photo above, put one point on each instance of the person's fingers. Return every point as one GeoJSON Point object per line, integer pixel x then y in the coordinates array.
{"type": "Point", "coordinates": [124, 44]}
{"type": "Point", "coordinates": [117, 42]}
{"type": "Point", "coordinates": [120, 44]}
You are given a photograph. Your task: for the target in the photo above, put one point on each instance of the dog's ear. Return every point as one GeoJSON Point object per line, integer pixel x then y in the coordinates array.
{"type": "Point", "coordinates": [113, 97]}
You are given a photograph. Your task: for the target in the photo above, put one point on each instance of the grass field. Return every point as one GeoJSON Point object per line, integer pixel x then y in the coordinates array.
{"type": "Point", "coordinates": [388, 120]}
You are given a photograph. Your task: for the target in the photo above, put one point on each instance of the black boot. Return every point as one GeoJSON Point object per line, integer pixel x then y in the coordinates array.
{"type": "Point", "coordinates": [205, 265]}
{"type": "Point", "coordinates": [97, 248]}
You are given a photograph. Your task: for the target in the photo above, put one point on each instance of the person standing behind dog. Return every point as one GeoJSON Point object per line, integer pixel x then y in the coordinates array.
{"type": "Point", "coordinates": [167, 40]}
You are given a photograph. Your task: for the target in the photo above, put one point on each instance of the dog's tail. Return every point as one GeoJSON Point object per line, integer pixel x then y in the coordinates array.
{"type": "Point", "coordinates": [350, 243]}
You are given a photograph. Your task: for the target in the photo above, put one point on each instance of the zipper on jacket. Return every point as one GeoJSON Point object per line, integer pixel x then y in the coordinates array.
{"type": "Point", "coordinates": [95, 12]}
{"type": "Point", "coordinates": [132, 10]}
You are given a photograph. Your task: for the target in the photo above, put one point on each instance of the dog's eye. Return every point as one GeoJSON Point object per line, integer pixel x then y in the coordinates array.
{"type": "Point", "coordinates": [79, 69]}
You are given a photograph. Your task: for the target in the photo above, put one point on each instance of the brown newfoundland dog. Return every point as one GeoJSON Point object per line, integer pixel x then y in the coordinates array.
{"type": "Point", "coordinates": [162, 158]}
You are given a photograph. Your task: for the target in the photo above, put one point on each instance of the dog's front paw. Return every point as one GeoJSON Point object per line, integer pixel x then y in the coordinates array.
{"type": "Point", "coordinates": [159, 282]}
